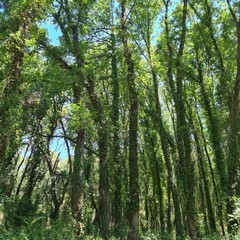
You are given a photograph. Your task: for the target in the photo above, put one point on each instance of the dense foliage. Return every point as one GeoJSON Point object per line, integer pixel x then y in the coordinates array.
{"type": "Point", "coordinates": [127, 127]}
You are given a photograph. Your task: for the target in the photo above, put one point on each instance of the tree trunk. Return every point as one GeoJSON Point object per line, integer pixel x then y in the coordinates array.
{"type": "Point", "coordinates": [8, 93]}
{"type": "Point", "coordinates": [234, 151]}
{"type": "Point", "coordinates": [211, 218]}
{"type": "Point", "coordinates": [133, 134]}
{"type": "Point", "coordinates": [117, 163]}
{"type": "Point", "coordinates": [164, 138]}
{"type": "Point", "coordinates": [185, 165]}
{"type": "Point", "coordinates": [219, 204]}
{"type": "Point", "coordinates": [77, 181]}
{"type": "Point", "coordinates": [214, 130]}
{"type": "Point", "coordinates": [104, 207]}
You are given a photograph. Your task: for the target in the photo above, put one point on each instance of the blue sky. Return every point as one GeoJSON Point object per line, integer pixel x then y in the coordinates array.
{"type": "Point", "coordinates": [53, 32]}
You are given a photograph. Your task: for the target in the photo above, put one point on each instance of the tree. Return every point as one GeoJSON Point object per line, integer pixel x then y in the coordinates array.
{"type": "Point", "coordinates": [133, 131]}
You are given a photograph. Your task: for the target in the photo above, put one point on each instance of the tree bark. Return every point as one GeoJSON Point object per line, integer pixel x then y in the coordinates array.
{"type": "Point", "coordinates": [234, 150]}
{"type": "Point", "coordinates": [133, 133]}
{"type": "Point", "coordinates": [117, 163]}
{"type": "Point", "coordinates": [104, 206]}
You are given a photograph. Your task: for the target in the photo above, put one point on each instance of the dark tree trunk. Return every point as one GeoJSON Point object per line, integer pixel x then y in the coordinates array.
{"type": "Point", "coordinates": [77, 188]}
{"type": "Point", "coordinates": [219, 204]}
{"type": "Point", "coordinates": [104, 201]}
{"type": "Point", "coordinates": [186, 164]}
{"type": "Point", "coordinates": [133, 134]}
{"type": "Point", "coordinates": [165, 138]}
{"type": "Point", "coordinates": [117, 163]}
{"type": "Point", "coordinates": [211, 218]}
{"type": "Point", "coordinates": [8, 93]}
{"type": "Point", "coordinates": [234, 150]}
{"type": "Point", "coordinates": [215, 134]}
{"type": "Point", "coordinates": [169, 215]}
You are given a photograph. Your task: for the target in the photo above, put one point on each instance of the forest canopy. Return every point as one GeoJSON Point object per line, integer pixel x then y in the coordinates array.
{"type": "Point", "coordinates": [119, 119]}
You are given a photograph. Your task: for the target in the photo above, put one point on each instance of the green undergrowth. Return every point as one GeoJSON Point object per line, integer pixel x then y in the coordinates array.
{"type": "Point", "coordinates": [59, 232]}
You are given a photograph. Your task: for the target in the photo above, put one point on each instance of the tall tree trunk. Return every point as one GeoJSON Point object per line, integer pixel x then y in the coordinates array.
{"type": "Point", "coordinates": [156, 175]}
{"type": "Point", "coordinates": [186, 165]}
{"type": "Point", "coordinates": [164, 138]}
{"type": "Point", "coordinates": [203, 175]}
{"type": "Point", "coordinates": [214, 130]}
{"type": "Point", "coordinates": [77, 181]}
{"type": "Point", "coordinates": [233, 164]}
{"type": "Point", "coordinates": [78, 178]}
{"type": "Point", "coordinates": [8, 93]}
{"type": "Point", "coordinates": [117, 164]}
{"type": "Point", "coordinates": [104, 214]}
{"type": "Point", "coordinates": [165, 148]}
{"type": "Point", "coordinates": [219, 203]}
{"type": "Point", "coordinates": [215, 137]}
{"type": "Point", "coordinates": [133, 134]}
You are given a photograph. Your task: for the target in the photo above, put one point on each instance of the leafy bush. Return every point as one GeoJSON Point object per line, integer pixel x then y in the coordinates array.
{"type": "Point", "coordinates": [235, 217]}
{"type": "Point", "coordinates": [36, 230]}
{"type": "Point", "coordinates": [18, 212]}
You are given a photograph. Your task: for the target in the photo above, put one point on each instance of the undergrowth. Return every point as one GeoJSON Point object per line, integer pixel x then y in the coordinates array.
{"type": "Point", "coordinates": [60, 231]}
